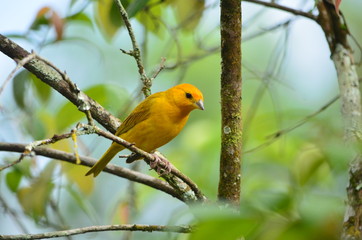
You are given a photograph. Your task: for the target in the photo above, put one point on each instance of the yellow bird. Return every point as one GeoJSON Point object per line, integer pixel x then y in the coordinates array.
{"type": "Point", "coordinates": [154, 122]}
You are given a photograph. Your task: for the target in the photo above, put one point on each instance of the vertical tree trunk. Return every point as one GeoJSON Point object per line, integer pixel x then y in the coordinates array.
{"type": "Point", "coordinates": [336, 32]}
{"type": "Point", "coordinates": [351, 111]}
{"type": "Point", "coordinates": [231, 131]}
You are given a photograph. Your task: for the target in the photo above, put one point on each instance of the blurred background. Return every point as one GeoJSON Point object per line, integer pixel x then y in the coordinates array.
{"type": "Point", "coordinates": [295, 164]}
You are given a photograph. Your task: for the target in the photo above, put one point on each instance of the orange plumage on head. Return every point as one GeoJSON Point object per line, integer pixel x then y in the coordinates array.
{"type": "Point", "coordinates": [155, 121]}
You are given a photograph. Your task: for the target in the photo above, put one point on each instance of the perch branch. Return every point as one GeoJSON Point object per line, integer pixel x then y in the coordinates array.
{"type": "Point", "coordinates": [89, 162]}
{"type": "Point", "coordinates": [103, 228]}
{"type": "Point", "coordinates": [190, 190]}
{"type": "Point", "coordinates": [175, 178]}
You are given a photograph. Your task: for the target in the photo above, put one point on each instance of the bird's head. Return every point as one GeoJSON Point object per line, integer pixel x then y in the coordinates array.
{"type": "Point", "coordinates": [187, 97]}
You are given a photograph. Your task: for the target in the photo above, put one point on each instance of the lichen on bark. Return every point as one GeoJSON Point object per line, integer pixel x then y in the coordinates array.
{"type": "Point", "coordinates": [231, 129]}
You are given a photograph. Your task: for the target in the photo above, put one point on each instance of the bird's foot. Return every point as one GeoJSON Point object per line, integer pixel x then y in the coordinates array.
{"type": "Point", "coordinates": [160, 164]}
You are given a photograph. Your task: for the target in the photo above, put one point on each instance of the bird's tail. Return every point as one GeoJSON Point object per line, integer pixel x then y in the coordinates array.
{"type": "Point", "coordinates": [105, 159]}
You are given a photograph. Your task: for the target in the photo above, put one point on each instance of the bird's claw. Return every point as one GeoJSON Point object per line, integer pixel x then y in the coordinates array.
{"type": "Point", "coordinates": [158, 163]}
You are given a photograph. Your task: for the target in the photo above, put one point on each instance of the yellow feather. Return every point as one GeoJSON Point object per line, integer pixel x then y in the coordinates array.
{"type": "Point", "coordinates": [105, 159]}
{"type": "Point", "coordinates": [155, 121]}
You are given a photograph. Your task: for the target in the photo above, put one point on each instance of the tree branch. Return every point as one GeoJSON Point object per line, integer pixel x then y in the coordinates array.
{"type": "Point", "coordinates": [53, 78]}
{"type": "Point", "coordinates": [89, 162]}
{"type": "Point", "coordinates": [103, 228]}
{"type": "Point", "coordinates": [335, 30]}
{"type": "Point", "coordinates": [136, 53]}
{"type": "Point", "coordinates": [283, 8]}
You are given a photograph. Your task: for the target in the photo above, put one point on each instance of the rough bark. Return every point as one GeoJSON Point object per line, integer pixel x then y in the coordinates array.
{"type": "Point", "coordinates": [231, 131]}
{"type": "Point", "coordinates": [336, 32]}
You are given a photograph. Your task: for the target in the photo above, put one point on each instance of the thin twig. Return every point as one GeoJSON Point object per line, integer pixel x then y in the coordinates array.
{"type": "Point", "coordinates": [173, 34]}
{"type": "Point", "coordinates": [160, 68]}
{"type": "Point", "coordinates": [193, 58]}
{"type": "Point", "coordinates": [136, 53]}
{"type": "Point", "coordinates": [284, 8]}
{"type": "Point", "coordinates": [14, 215]}
{"type": "Point", "coordinates": [276, 135]}
{"type": "Point", "coordinates": [30, 147]}
{"type": "Point", "coordinates": [268, 30]}
{"type": "Point", "coordinates": [15, 162]}
{"type": "Point", "coordinates": [20, 64]}
{"type": "Point", "coordinates": [102, 228]}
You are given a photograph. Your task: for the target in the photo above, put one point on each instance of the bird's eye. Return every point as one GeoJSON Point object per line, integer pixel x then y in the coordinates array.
{"type": "Point", "coordinates": [188, 95]}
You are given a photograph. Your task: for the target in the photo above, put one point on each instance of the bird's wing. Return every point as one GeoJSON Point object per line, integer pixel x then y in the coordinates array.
{"type": "Point", "coordinates": [132, 120]}
{"type": "Point", "coordinates": [139, 114]}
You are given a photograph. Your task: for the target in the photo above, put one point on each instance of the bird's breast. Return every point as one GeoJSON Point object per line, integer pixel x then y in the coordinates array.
{"type": "Point", "coordinates": [156, 131]}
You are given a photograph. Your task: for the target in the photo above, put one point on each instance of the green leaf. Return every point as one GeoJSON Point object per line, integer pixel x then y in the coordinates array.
{"type": "Point", "coordinates": [42, 89]}
{"type": "Point", "coordinates": [215, 228]}
{"type": "Point", "coordinates": [188, 13]}
{"type": "Point", "coordinates": [34, 198]}
{"type": "Point", "coordinates": [310, 161]}
{"type": "Point", "coordinates": [35, 127]}
{"type": "Point", "coordinates": [213, 222]}
{"type": "Point", "coordinates": [108, 17]}
{"type": "Point", "coordinates": [67, 115]}
{"type": "Point", "coordinates": [13, 179]}
{"type": "Point", "coordinates": [41, 19]}
{"type": "Point", "coordinates": [16, 35]}
{"type": "Point", "coordinates": [23, 168]}
{"type": "Point", "coordinates": [109, 96]}
{"type": "Point", "coordinates": [148, 18]}
{"type": "Point", "coordinates": [135, 6]}
{"type": "Point", "coordinates": [20, 85]}
{"type": "Point", "coordinates": [80, 17]}
{"type": "Point", "coordinates": [39, 22]}
{"type": "Point", "coordinates": [75, 174]}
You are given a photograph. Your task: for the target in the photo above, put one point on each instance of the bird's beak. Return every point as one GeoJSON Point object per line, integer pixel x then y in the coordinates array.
{"type": "Point", "coordinates": [200, 104]}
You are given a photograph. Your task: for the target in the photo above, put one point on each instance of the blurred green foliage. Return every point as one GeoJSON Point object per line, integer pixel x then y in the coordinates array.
{"type": "Point", "coordinates": [293, 186]}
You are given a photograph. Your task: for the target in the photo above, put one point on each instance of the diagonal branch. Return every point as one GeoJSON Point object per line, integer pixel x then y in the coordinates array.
{"type": "Point", "coordinates": [53, 78]}
{"type": "Point", "coordinates": [189, 190]}
{"type": "Point", "coordinates": [102, 228]}
{"type": "Point", "coordinates": [284, 8]}
{"type": "Point", "coordinates": [271, 138]}
{"type": "Point", "coordinates": [87, 161]}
